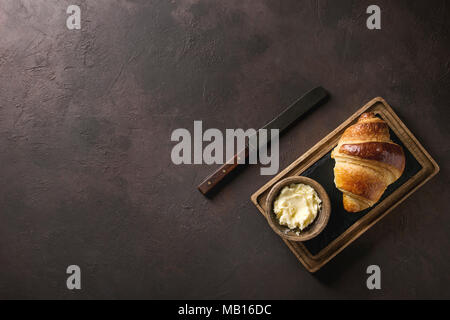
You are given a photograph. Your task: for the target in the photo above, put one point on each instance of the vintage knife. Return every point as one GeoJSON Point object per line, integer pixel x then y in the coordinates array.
{"type": "Point", "coordinates": [305, 103]}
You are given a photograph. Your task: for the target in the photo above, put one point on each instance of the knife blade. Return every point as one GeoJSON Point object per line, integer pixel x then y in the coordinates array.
{"type": "Point", "coordinates": [292, 113]}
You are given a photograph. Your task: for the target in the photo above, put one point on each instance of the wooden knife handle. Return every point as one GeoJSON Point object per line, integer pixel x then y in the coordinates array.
{"type": "Point", "coordinates": [211, 181]}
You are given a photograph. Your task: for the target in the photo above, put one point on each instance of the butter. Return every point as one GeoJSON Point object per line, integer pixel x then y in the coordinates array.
{"type": "Point", "coordinates": [297, 206]}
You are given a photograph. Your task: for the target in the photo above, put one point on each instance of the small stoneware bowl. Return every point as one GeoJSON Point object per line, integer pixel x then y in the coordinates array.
{"type": "Point", "coordinates": [315, 227]}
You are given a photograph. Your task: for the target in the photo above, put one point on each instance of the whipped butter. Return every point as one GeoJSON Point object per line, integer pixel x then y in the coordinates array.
{"type": "Point", "coordinates": [297, 206]}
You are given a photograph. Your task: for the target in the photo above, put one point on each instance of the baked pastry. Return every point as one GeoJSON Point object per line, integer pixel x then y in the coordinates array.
{"type": "Point", "coordinates": [367, 161]}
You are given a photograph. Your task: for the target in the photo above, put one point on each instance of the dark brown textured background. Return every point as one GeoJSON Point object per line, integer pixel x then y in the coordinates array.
{"type": "Point", "coordinates": [85, 124]}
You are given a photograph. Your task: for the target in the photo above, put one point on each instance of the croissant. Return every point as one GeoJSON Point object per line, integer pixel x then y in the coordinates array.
{"type": "Point", "coordinates": [367, 161]}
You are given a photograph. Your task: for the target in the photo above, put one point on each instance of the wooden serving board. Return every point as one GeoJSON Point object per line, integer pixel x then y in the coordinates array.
{"type": "Point", "coordinates": [343, 227]}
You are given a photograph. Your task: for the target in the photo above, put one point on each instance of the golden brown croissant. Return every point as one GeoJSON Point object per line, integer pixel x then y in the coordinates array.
{"type": "Point", "coordinates": [367, 161]}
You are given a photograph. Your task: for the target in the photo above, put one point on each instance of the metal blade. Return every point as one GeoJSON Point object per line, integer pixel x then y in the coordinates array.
{"type": "Point", "coordinates": [297, 109]}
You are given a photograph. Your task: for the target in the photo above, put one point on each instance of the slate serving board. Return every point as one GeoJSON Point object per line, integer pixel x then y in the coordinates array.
{"type": "Point", "coordinates": [341, 220]}
{"type": "Point", "coordinates": [344, 227]}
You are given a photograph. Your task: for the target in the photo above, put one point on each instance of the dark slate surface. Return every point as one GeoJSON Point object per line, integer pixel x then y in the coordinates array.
{"type": "Point", "coordinates": [85, 124]}
{"type": "Point", "coordinates": [341, 220]}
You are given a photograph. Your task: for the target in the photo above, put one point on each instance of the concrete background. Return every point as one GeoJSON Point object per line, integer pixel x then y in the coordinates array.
{"type": "Point", "coordinates": [85, 123]}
